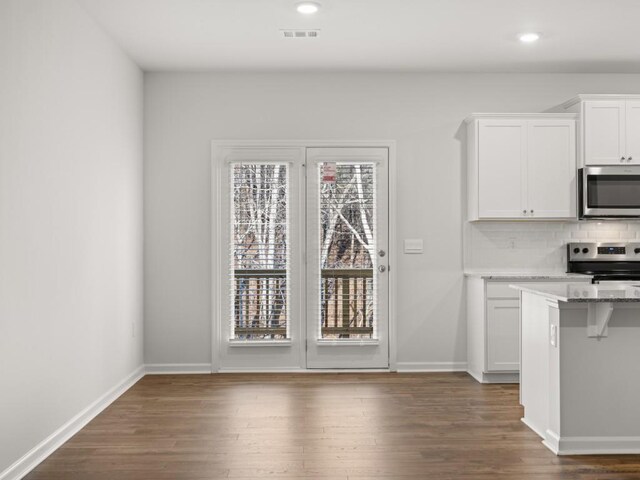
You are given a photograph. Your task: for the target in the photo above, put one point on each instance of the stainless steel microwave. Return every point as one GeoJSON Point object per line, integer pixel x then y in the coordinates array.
{"type": "Point", "coordinates": [609, 192]}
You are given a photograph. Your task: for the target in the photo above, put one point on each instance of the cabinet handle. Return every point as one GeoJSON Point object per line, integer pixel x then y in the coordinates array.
{"type": "Point", "coordinates": [629, 159]}
{"type": "Point", "coordinates": [524, 212]}
{"type": "Point", "coordinates": [622, 159]}
{"type": "Point", "coordinates": [532, 212]}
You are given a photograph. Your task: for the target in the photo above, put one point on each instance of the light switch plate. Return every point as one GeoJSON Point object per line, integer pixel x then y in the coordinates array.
{"type": "Point", "coordinates": [413, 245]}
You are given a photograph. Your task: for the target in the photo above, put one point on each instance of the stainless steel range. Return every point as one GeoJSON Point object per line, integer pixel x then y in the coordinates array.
{"type": "Point", "coordinates": [619, 261]}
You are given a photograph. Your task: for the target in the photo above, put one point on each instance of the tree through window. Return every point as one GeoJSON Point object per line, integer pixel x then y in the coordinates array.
{"type": "Point", "coordinates": [347, 246]}
{"type": "Point", "coordinates": [260, 251]}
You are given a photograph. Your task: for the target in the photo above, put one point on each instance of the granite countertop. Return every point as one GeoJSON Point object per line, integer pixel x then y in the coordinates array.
{"type": "Point", "coordinates": [580, 292]}
{"type": "Point", "coordinates": [528, 275]}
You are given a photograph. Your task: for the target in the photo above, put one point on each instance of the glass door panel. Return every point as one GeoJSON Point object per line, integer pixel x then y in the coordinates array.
{"type": "Point", "coordinates": [347, 251]}
{"type": "Point", "coordinates": [259, 273]}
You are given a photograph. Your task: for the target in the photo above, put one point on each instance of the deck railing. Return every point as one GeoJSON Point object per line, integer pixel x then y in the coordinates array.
{"type": "Point", "coordinates": [347, 303]}
{"type": "Point", "coordinates": [260, 304]}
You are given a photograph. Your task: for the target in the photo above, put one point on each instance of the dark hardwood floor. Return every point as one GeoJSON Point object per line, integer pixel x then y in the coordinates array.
{"type": "Point", "coordinates": [324, 426]}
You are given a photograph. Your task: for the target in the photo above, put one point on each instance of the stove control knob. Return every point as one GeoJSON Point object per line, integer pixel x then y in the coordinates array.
{"type": "Point", "coordinates": [576, 250]}
{"type": "Point", "coordinates": [636, 250]}
{"type": "Point", "coordinates": [585, 250]}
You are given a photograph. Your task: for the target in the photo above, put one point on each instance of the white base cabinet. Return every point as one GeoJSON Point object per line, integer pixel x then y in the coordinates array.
{"type": "Point", "coordinates": [493, 327]}
{"type": "Point", "coordinates": [521, 166]}
{"type": "Point", "coordinates": [502, 329]}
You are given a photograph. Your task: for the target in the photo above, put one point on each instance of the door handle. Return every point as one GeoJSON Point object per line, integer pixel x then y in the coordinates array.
{"type": "Point", "coordinates": [382, 269]}
{"type": "Point", "coordinates": [382, 253]}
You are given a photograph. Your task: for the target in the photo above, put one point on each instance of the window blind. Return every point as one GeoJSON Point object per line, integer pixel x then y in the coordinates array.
{"type": "Point", "coordinates": [347, 227]}
{"type": "Point", "coordinates": [259, 263]}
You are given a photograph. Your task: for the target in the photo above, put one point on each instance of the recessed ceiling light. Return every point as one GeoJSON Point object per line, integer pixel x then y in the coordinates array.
{"type": "Point", "coordinates": [529, 37]}
{"type": "Point", "coordinates": [307, 7]}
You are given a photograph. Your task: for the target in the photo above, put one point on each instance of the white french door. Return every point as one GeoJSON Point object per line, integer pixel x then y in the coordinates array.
{"type": "Point", "coordinates": [347, 252]}
{"type": "Point", "coordinates": [300, 258]}
{"type": "Point", "coordinates": [257, 294]}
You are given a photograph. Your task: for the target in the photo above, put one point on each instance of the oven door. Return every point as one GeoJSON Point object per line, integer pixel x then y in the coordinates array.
{"type": "Point", "coordinates": [610, 192]}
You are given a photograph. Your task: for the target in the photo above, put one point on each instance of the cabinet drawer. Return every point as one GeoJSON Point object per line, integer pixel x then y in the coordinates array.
{"type": "Point", "coordinates": [502, 290]}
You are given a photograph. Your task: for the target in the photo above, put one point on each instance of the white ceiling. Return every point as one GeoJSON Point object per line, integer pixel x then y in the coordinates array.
{"type": "Point", "coordinates": [377, 35]}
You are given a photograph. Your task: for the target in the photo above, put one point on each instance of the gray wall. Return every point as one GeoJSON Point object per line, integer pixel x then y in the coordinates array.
{"type": "Point", "coordinates": [70, 218]}
{"type": "Point", "coordinates": [423, 112]}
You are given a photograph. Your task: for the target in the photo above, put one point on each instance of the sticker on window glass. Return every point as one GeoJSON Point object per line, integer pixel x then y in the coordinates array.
{"type": "Point", "coordinates": [329, 172]}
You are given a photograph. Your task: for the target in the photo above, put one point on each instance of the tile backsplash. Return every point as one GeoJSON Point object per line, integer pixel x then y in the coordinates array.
{"type": "Point", "coordinates": [535, 245]}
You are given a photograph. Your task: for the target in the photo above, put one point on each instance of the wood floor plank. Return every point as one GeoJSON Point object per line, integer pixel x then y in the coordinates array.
{"type": "Point", "coordinates": [323, 426]}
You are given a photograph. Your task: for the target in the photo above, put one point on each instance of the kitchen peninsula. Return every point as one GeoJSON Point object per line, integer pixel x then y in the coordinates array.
{"type": "Point", "coordinates": [580, 365]}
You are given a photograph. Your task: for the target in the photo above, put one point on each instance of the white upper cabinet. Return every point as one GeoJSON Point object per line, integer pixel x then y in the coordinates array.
{"type": "Point", "coordinates": [551, 164]}
{"type": "Point", "coordinates": [501, 162]}
{"type": "Point", "coordinates": [609, 129]}
{"type": "Point", "coordinates": [632, 131]}
{"type": "Point", "coordinates": [521, 166]}
{"type": "Point", "coordinates": [604, 132]}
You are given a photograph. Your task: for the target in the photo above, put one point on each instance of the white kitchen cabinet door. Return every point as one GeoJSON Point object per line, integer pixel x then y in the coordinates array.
{"type": "Point", "coordinates": [551, 163]}
{"type": "Point", "coordinates": [501, 168]}
{"type": "Point", "coordinates": [503, 336]}
{"type": "Point", "coordinates": [604, 132]}
{"type": "Point", "coordinates": [632, 130]}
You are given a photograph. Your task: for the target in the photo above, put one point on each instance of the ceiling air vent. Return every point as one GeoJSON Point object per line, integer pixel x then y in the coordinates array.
{"type": "Point", "coordinates": [300, 33]}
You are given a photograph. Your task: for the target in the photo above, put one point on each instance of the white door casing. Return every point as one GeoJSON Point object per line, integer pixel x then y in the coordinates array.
{"type": "Point", "coordinates": [289, 354]}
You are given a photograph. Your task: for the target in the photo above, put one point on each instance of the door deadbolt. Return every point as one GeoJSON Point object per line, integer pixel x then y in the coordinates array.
{"type": "Point", "coordinates": [382, 253]}
{"type": "Point", "coordinates": [382, 269]}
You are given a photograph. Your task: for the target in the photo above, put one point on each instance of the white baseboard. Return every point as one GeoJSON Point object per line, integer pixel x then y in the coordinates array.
{"type": "Point", "coordinates": [54, 441]}
{"type": "Point", "coordinates": [495, 377]}
{"type": "Point", "coordinates": [300, 370]}
{"type": "Point", "coordinates": [591, 445]}
{"type": "Point", "coordinates": [177, 368]}
{"type": "Point", "coordinates": [194, 368]}
{"type": "Point", "coordinates": [477, 376]}
{"type": "Point", "coordinates": [406, 367]}
{"type": "Point", "coordinates": [347, 370]}
{"type": "Point", "coordinates": [262, 370]}
{"type": "Point", "coordinates": [550, 440]}
{"type": "Point", "coordinates": [537, 430]}
{"type": "Point", "coordinates": [432, 367]}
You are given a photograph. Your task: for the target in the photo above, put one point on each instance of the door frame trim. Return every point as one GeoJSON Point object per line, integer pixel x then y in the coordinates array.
{"type": "Point", "coordinates": [217, 245]}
